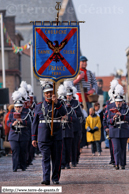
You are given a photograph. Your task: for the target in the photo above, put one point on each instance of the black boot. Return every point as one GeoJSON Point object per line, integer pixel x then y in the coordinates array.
{"type": "Point", "coordinates": [45, 182]}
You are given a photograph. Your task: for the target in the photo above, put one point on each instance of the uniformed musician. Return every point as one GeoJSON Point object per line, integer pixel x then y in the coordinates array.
{"type": "Point", "coordinates": [50, 146]}
{"type": "Point", "coordinates": [19, 124]}
{"type": "Point", "coordinates": [119, 127]}
{"type": "Point", "coordinates": [67, 126]}
{"type": "Point", "coordinates": [27, 97]}
{"type": "Point", "coordinates": [109, 105]}
{"type": "Point", "coordinates": [77, 128]}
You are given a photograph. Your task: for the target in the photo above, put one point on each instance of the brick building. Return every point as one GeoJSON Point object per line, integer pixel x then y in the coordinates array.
{"type": "Point", "coordinates": [12, 60]}
{"type": "Point", "coordinates": [108, 79]}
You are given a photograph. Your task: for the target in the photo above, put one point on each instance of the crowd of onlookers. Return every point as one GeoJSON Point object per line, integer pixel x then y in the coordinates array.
{"type": "Point", "coordinates": [2, 131]}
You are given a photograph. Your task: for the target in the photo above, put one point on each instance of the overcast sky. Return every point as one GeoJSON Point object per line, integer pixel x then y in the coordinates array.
{"type": "Point", "coordinates": [105, 35]}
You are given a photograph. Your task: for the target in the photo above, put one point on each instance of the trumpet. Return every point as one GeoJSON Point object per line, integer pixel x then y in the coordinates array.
{"type": "Point", "coordinates": [17, 115]}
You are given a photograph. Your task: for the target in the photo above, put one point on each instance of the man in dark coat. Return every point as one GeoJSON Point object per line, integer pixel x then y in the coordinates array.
{"type": "Point", "coordinates": [50, 146]}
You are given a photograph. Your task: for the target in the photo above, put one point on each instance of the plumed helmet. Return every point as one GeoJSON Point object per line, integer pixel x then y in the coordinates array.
{"type": "Point", "coordinates": [30, 90]}
{"type": "Point", "coordinates": [17, 98]}
{"type": "Point", "coordinates": [46, 86]}
{"type": "Point", "coordinates": [23, 85]}
{"type": "Point", "coordinates": [23, 93]}
{"type": "Point", "coordinates": [110, 94]}
{"type": "Point", "coordinates": [61, 92]}
{"type": "Point", "coordinates": [119, 93]}
{"type": "Point", "coordinates": [16, 95]}
{"type": "Point", "coordinates": [74, 91]}
{"type": "Point", "coordinates": [69, 91]}
{"type": "Point", "coordinates": [113, 84]}
{"type": "Point", "coordinates": [18, 103]}
{"type": "Point", "coordinates": [67, 84]}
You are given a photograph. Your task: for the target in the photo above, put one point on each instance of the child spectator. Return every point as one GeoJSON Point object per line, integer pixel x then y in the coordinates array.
{"type": "Point", "coordinates": [93, 127]}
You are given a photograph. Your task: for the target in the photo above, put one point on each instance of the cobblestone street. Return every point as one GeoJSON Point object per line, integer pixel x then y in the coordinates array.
{"type": "Point", "coordinates": [93, 175]}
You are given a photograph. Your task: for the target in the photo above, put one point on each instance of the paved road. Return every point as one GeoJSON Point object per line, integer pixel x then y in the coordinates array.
{"type": "Point", "coordinates": [93, 175]}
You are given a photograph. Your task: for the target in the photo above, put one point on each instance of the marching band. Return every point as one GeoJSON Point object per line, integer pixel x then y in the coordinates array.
{"type": "Point", "coordinates": [30, 126]}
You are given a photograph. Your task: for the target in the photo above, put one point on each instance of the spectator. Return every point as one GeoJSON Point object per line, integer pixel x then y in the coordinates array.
{"type": "Point", "coordinates": [93, 127]}
{"type": "Point", "coordinates": [1, 133]}
{"type": "Point", "coordinates": [83, 140]}
{"type": "Point", "coordinates": [6, 128]}
{"type": "Point", "coordinates": [99, 112]}
{"type": "Point", "coordinates": [103, 95]}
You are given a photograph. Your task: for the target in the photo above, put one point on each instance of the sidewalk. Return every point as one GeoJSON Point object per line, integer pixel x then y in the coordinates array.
{"type": "Point", "coordinates": [93, 175]}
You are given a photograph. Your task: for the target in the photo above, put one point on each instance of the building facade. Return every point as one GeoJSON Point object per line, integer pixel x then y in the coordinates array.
{"type": "Point", "coordinates": [12, 61]}
{"type": "Point", "coordinates": [26, 11]}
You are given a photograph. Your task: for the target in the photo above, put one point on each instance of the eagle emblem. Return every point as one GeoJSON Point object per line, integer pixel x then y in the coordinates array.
{"type": "Point", "coordinates": [56, 49]}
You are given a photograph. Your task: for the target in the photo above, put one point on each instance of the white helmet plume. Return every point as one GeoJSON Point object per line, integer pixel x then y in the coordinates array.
{"type": "Point", "coordinates": [74, 91]}
{"type": "Point", "coordinates": [113, 84]}
{"type": "Point", "coordinates": [61, 91]}
{"type": "Point", "coordinates": [68, 84]}
{"type": "Point", "coordinates": [119, 90]}
{"type": "Point", "coordinates": [23, 92]}
{"type": "Point", "coordinates": [23, 85]}
{"type": "Point", "coordinates": [110, 94]}
{"type": "Point", "coordinates": [16, 95]}
{"type": "Point", "coordinates": [30, 90]}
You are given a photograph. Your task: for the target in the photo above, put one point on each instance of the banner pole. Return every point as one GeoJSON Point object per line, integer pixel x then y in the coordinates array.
{"type": "Point", "coordinates": [2, 53]}
{"type": "Point", "coordinates": [31, 66]}
{"type": "Point", "coordinates": [57, 7]}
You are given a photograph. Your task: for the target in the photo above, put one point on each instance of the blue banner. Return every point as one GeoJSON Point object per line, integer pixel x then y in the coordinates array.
{"type": "Point", "coordinates": [56, 51]}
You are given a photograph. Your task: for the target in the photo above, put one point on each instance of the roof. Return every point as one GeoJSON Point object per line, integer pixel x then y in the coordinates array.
{"type": "Point", "coordinates": [36, 10]}
{"type": "Point", "coordinates": [27, 52]}
{"type": "Point", "coordinates": [108, 79]}
{"type": "Point", "coordinates": [17, 33]}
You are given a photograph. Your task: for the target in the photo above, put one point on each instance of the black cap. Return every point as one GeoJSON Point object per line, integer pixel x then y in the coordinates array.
{"type": "Point", "coordinates": [83, 58]}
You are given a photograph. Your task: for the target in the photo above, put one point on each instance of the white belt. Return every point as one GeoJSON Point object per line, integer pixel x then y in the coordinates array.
{"type": "Point", "coordinates": [54, 121]}
{"type": "Point", "coordinates": [121, 122]}
{"type": "Point", "coordinates": [49, 121]}
{"type": "Point", "coordinates": [64, 121]}
{"type": "Point", "coordinates": [19, 126]}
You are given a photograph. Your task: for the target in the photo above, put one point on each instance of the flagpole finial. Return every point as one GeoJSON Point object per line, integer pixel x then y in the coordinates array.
{"type": "Point", "coordinates": [57, 7]}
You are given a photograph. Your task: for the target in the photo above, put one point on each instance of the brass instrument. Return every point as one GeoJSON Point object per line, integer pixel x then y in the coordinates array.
{"type": "Point", "coordinates": [18, 126]}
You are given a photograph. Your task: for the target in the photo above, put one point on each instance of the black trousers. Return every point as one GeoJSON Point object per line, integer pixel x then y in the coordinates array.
{"type": "Point", "coordinates": [19, 153]}
{"type": "Point", "coordinates": [111, 151]}
{"type": "Point", "coordinates": [74, 148]}
{"type": "Point", "coordinates": [53, 151]}
{"type": "Point", "coordinates": [119, 148]}
{"type": "Point", "coordinates": [66, 154]}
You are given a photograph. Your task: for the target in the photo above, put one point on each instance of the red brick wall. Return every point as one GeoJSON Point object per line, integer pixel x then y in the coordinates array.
{"type": "Point", "coordinates": [108, 79]}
